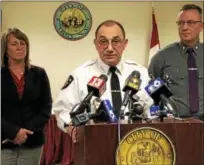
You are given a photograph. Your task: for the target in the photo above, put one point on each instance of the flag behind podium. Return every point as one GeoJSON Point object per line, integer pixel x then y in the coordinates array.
{"type": "Point", "coordinates": [154, 43]}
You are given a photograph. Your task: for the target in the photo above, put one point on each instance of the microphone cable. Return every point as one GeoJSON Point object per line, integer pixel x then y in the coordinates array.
{"type": "Point", "coordinates": [119, 138]}
{"type": "Point", "coordinates": [175, 105]}
{"type": "Point", "coordinates": [176, 138]}
{"type": "Point", "coordinates": [175, 125]}
{"type": "Point", "coordinates": [119, 134]}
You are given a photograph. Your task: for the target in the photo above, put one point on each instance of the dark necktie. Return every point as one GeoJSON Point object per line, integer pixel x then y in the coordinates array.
{"type": "Point", "coordinates": [115, 91]}
{"type": "Point", "coordinates": [192, 82]}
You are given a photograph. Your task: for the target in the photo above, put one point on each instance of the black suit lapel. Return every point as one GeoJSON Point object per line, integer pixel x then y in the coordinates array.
{"type": "Point", "coordinates": [8, 86]}
{"type": "Point", "coordinates": [29, 84]}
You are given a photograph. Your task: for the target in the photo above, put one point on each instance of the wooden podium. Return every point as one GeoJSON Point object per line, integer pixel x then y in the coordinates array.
{"type": "Point", "coordinates": [97, 143]}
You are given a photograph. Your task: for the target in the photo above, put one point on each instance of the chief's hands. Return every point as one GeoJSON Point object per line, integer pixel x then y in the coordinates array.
{"type": "Point", "coordinates": [72, 132]}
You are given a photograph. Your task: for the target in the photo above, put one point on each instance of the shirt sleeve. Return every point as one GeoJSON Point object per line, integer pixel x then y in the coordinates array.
{"type": "Point", "coordinates": [9, 129]}
{"type": "Point", "coordinates": [155, 66]}
{"type": "Point", "coordinates": [66, 100]}
{"type": "Point", "coordinates": [144, 78]}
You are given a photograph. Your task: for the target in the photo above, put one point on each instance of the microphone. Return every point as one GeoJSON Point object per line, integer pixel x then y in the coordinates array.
{"type": "Point", "coordinates": [104, 112]}
{"type": "Point", "coordinates": [83, 118]}
{"type": "Point", "coordinates": [136, 111]}
{"type": "Point", "coordinates": [137, 108]}
{"type": "Point", "coordinates": [159, 92]}
{"type": "Point", "coordinates": [131, 87]}
{"type": "Point", "coordinates": [80, 119]}
{"type": "Point", "coordinates": [154, 110]}
{"type": "Point", "coordinates": [96, 87]}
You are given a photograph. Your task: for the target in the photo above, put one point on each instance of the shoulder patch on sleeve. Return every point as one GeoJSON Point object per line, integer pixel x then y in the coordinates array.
{"type": "Point", "coordinates": [68, 82]}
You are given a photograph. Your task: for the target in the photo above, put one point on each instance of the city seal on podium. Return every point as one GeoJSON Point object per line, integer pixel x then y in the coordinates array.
{"type": "Point", "coordinates": [145, 146]}
{"type": "Point", "coordinates": [72, 20]}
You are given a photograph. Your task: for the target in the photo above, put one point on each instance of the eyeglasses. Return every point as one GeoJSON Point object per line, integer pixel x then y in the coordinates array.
{"type": "Point", "coordinates": [115, 42]}
{"type": "Point", "coordinates": [189, 23]}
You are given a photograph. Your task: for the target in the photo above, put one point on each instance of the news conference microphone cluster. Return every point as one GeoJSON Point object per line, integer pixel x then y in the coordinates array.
{"type": "Point", "coordinates": [157, 89]}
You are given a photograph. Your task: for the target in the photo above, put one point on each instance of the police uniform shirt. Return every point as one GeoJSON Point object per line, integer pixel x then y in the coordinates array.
{"type": "Point", "coordinates": [77, 90]}
{"type": "Point", "coordinates": [172, 61]}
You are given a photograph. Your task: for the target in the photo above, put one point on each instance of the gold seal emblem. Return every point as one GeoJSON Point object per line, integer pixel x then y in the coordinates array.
{"type": "Point", "coordinates": [72, 20]}
{"type": "Point", "coordinates": [145, 146]}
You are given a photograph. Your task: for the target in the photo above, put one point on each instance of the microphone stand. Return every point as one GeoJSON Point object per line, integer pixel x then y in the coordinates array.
{"type": "Point", "coordinates": [134, 114]}
{"type": "Point", "coordinates": [129, 114]}
{"type": "Point", "coordinates": [82, 118]}
{"type": "Point", "coordinates": [162, 112]}
{"type": "Point", "coordinates": [88, 107]}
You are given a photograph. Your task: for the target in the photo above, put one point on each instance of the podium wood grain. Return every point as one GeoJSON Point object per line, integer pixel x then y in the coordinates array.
{"type": "Point", "coordinates": [97, 143]}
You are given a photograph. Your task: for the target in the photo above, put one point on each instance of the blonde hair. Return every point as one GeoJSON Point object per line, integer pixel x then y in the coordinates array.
{"type": "Point", "coordinates": [4, 42]}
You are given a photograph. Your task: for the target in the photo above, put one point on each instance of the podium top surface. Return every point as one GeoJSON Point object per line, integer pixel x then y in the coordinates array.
{"type": "Point", "coordinates": [155, 121]}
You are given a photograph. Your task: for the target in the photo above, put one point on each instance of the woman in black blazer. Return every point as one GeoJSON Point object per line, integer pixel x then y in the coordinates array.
{"type": "Point", "coordinates": [25, 102]}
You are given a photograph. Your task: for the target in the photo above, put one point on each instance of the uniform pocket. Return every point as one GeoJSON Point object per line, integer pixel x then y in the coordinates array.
{"type": "Point", "coordinates": [175, 74]}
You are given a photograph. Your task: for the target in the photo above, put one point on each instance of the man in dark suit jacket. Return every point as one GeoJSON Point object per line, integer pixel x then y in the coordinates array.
{"type": "Point", "coordinates": [25, 102]}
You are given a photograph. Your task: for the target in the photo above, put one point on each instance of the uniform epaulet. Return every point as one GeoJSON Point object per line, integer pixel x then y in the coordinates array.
{"type": "Point", "coordinates": [84, 65]}
{"type": "Point", "coordinates": [89, 63]}
{"type": "Point", "coordinates": [170, 46]}
{"type": "Point", "coordinates": [130, 62]}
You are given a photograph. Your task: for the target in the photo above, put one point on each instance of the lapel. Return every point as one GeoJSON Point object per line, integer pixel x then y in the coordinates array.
{"type": "Point", "coordinates": [29, 87]}
{"type": "Point", "coordinates": [8, 86]}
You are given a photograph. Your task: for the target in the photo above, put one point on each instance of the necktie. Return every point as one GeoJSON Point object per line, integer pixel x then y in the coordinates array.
{"type": "Point", "coordinates": [115, 91]}
{"type": "Point", "coordinates": [192, 82]}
